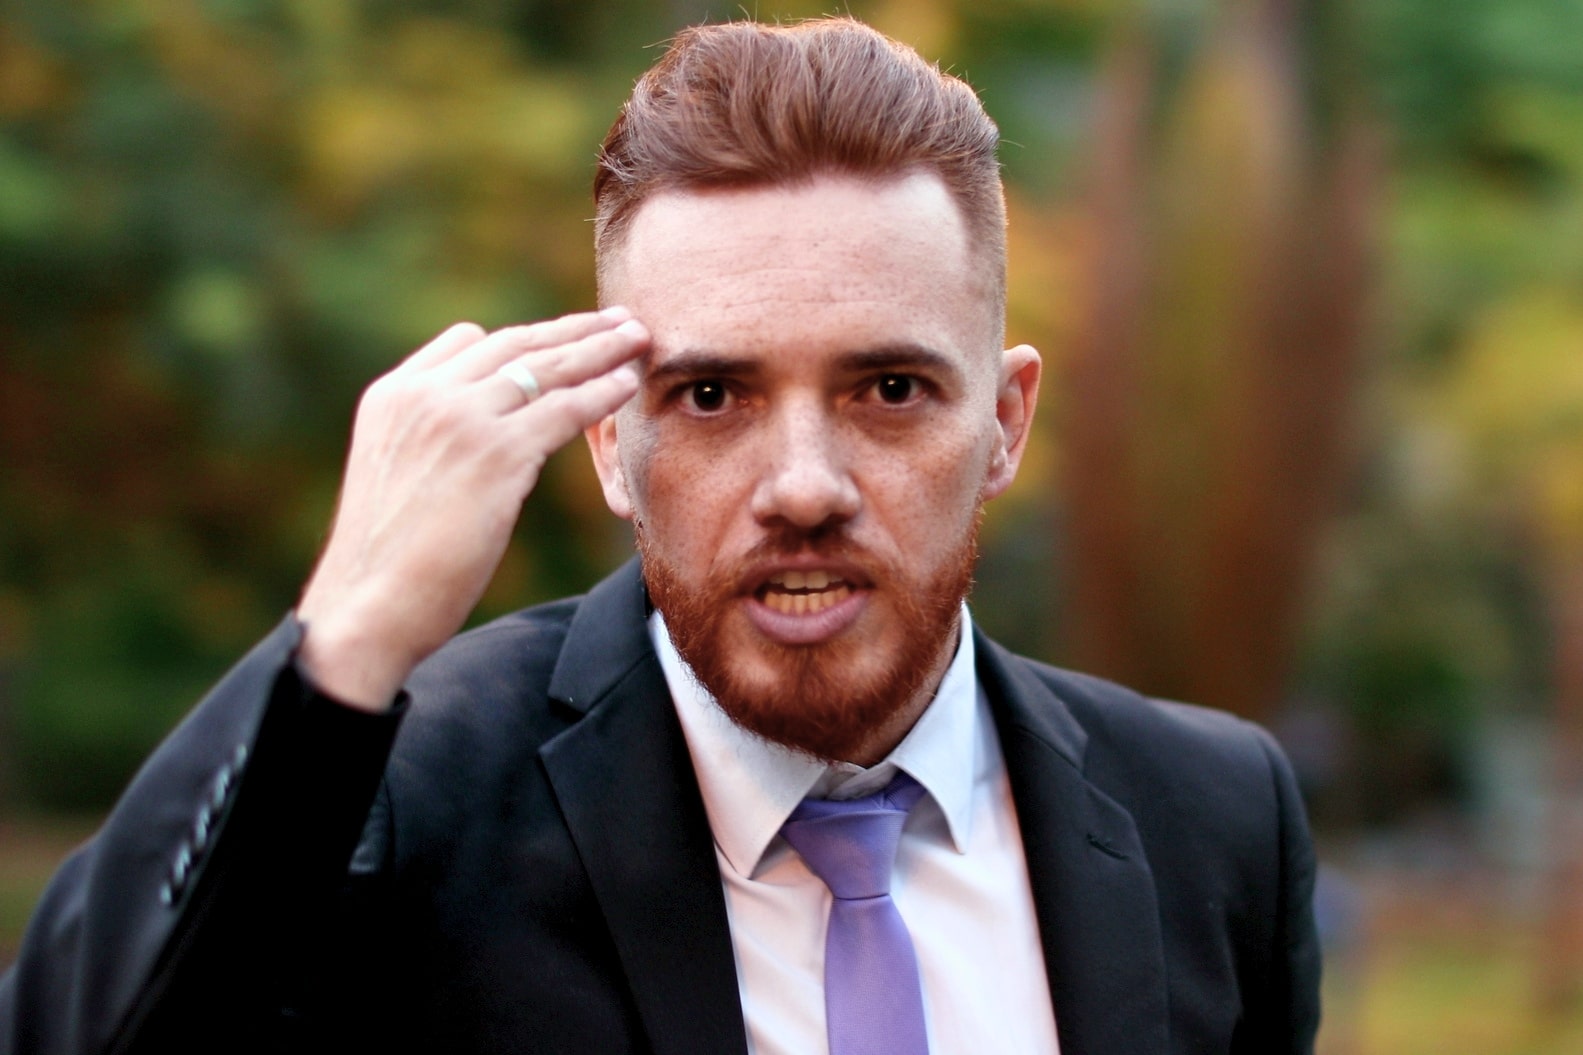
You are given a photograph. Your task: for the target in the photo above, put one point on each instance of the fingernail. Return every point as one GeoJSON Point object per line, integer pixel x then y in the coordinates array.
{"type": "Point", "coordinates": [615, 313]}
{"type": "Point", "coordinates": [633, 328]}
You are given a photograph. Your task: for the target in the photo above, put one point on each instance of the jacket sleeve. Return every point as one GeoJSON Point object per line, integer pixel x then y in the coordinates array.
{"type": "Point", "coordinates": [1283, 1014]}
{"type": "Point", "coordinates": [232, 840]}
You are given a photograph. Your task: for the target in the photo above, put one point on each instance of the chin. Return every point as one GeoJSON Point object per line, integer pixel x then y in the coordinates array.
{"type": "Point", "coordinates": [829, 700]}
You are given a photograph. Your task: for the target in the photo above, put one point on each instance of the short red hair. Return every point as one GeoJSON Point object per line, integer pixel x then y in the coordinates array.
{"type": "Point", "coordinates": [745, 104]}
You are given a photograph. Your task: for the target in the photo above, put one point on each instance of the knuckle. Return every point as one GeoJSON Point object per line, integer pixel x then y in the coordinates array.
{"type": "Point", "coordinates": [522, 334]}
{"type": "Point", "coordinates": [557, 415]}
{"type": "Point", "coordinates": [553, 362]}
{"type": "Point", "coordinates": [378, 394]}
{"type": "Point", "coordinates": [394, 389]}
{"type": "Point", "coordinates": [463, 333]}
{"type": "Point", "coordinates": [421, 400]}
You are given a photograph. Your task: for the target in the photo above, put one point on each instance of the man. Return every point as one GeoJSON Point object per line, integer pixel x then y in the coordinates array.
{"type": "Point", "coordinates": [585, 837]}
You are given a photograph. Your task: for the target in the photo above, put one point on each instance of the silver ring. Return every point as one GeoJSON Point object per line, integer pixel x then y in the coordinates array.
{"type": "Point", "coordinates": [518, 374]}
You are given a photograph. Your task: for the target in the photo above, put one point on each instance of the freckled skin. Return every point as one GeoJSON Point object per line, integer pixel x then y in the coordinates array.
{"type": "Point", "coordinates": [823, 361]}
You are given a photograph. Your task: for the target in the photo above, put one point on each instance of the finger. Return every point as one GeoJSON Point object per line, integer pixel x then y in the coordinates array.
{"type": "Point", "coordinates": [570, 365]}
{"type": "Point", "coordinates": [445, 346]}
{"type": "Point", "coordinates": [513, 342]}
{"type": "Point", "coordinates": [563, 415]}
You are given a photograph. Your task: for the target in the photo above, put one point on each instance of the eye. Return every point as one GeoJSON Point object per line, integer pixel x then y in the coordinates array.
{"type": "Point", "coordinates": [707, 396]}
{"type": "Point", "coordinates": [896, 389]}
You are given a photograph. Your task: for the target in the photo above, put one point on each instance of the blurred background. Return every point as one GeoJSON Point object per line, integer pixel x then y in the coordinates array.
{"type": "Point", "coordinates": [1308, 278]}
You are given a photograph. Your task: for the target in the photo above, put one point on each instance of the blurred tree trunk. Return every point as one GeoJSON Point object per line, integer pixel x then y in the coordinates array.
{"type": "Point", "coordinates": [7, 744]}
{"type": "Point", "coordinates": [1561, 946]}
{"type": "Point", "coordinates": [1210, 388]}
{"type": "Point", "coordinates": [1556, 498]}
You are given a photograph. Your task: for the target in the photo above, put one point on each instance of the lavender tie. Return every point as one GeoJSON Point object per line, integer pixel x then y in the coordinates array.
{"type": "Point", "coordinates": [872, 997]}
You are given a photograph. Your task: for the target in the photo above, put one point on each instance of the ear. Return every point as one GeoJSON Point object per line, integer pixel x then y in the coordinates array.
{"type": "Point", "coordinates": [603, 444]}
{"type": "Point", "coordinates": [1014, 404]}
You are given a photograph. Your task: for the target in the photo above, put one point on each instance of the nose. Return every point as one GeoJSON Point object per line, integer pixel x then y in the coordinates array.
{"type": "Point", "coordinates": [807, 480]}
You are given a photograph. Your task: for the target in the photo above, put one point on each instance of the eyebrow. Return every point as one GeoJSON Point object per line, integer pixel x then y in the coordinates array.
{"type": "Point", "coordinates": [896, 356]}
{"type": "Point", "coordinates": [697, 363]}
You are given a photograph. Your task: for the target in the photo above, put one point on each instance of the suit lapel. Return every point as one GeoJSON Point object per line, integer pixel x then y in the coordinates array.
{"type": "Point", "coordinates": [1093, 890]}
{"type": "Point", "coordinates": [626, 788]}
{"type": "Point", "coordinates": [625, 784]}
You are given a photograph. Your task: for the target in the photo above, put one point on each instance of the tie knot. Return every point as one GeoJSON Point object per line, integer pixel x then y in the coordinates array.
{"type": "Point", "coordinates": [851, 844]}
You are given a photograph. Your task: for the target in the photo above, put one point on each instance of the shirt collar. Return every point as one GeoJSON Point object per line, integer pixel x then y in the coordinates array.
{"type": "Point", "coordinates": [750, 785]}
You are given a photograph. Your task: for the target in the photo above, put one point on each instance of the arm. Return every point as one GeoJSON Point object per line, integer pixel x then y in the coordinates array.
{"type": "Point", "coordinates": [245, 815]}
{"type": "Point", "coordinates": [196, 901]}
{"type": "Point", "coordinates": [1283, 1014]}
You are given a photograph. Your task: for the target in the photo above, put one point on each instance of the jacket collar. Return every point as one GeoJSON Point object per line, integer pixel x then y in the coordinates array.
{"type": "Point", "coordinates": [626, 788]}
{"type": "Point", "coordinates": [607, 639]}
{"type": "Point", "coordinates": [1094, 892]}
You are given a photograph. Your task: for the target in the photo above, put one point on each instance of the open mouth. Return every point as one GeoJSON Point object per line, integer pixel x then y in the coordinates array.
{"type": "Point", "coordinates": [803, 592]}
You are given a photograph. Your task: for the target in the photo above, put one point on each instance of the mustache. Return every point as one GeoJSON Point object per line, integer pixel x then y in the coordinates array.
{"type": "Point", "coordinates": [786, 541]}
{"type": "Point", "coordinates": [789, 540]}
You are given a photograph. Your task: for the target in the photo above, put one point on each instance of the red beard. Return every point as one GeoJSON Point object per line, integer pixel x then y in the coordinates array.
{"type": "Point", "coordinates": [827, 700]}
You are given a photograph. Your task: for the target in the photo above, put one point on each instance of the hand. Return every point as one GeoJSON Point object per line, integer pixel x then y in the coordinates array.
{"type": "Point", "coordinates": [444, 451]}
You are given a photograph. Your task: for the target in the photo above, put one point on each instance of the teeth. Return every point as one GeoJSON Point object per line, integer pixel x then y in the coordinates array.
{"type": "Point", "coordinates": [807, 603]}
{"type": "Point", "coordinates": [803, 580]}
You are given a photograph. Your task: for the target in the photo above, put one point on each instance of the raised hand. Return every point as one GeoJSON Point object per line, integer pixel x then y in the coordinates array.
{"type": "Point", "coordinates": [444, 450]}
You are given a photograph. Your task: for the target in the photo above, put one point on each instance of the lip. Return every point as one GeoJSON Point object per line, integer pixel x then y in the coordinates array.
{"type": "Point", "coordinates": [809, 628]}
{"type": "Point", "coordinates": [799, 629]}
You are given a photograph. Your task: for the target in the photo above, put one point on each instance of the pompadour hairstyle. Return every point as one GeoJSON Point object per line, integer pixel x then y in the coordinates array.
{"type": "Point", "coordinates": [745, 104]}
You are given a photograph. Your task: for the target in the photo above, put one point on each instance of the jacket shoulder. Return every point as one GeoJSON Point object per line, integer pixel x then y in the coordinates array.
{"type": "Point", "coordinates": [1162, 755]}
{"type": "Point", "coordinates": [477, 712]}
{"type": "Point", "coordinates": [490, 660]}
{"type": "Point", "coordinates": [485, 692]}
{"type": "Point", "coordinates": [1113, 711]}
{"type": "Point", "coordinates": [1222, 824]}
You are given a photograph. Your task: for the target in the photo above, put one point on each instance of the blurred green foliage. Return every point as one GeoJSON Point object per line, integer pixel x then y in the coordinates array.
{"type": "Point", "coordinates": [220, 218]}
{"type": "Point", "coordinates": [218, 221]}
{"type": "Point", "coordinates": [1445, 575]}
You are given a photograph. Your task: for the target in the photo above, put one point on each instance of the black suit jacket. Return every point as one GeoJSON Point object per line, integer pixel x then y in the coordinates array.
{"type": "Point", "coordinates": [531, 868]}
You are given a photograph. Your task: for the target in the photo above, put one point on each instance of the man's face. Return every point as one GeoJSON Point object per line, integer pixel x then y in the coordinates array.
{"type": "Point", "coordinates": [823, 414]}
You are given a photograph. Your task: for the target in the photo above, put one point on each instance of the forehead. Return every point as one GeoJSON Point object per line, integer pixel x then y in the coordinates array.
{"type": "Point", "coordinates": [837, 260]}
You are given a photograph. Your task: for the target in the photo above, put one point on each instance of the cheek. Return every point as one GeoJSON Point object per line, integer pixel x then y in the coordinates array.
{"type": "Point", "coordinates": [929, 494]}
{"type": "Point", "coordinates": [688, 499]}
{"type": "Point", "coordinates": [635, 453]}
{"type": "Point", "coordinates": [953, 465]}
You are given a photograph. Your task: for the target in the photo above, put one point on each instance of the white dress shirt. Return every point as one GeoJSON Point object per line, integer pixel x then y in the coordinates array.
{"type": "Point", "coordinates": [960, 882]}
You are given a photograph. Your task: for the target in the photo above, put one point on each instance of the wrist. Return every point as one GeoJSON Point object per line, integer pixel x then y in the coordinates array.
{"type": "Point", "coordinates": [350, 663]}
